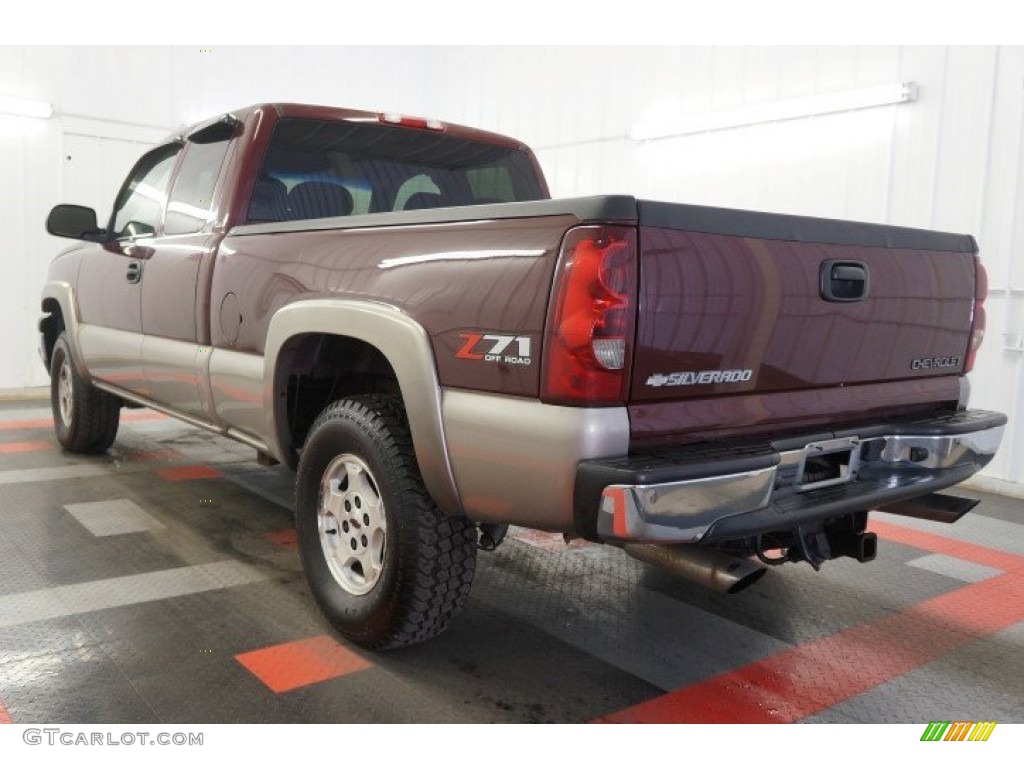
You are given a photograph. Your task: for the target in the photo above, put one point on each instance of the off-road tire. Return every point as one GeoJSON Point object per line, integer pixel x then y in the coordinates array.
{"type": "Point", "coordinates": [429, 557]}
{"type": "Point", "coordinates": [90, 425]}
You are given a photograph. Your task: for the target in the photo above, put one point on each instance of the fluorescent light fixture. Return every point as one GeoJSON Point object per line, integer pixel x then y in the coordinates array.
{"type": "Point", "coordinates": [24, 108]}
{"type": "Point", "coordinates": [776, 111]}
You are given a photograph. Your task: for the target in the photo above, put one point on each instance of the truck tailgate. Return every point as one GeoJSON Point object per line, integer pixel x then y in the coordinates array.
{"type": "Point", "coordinates": [734, 303]}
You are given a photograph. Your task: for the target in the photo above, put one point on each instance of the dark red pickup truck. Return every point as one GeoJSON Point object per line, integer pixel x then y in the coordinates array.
{"type": "Point", "coordinates": [394, 307]}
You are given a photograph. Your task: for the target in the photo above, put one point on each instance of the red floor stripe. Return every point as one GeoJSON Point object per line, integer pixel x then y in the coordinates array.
{"type": "Point", "coordinates": [190, 472]}
{"type": "Point", "coordinates": [26, 424]}
{"type": "Point", "coordinates": [286, 538]}
{"type": "Point", "coordinates": [993, 558]}
{"type": "Point", "coordinates": [35, 445]}
{"type": "Point", "coordinates": [549, 542]}
{"type": "Point", "coordinates": [809, 678]}
{"type": "Point", "coordinates": [304, 662]}
{"type": "Point", "coordinates": [154, 454]}
{"type": "Point", "coordinates": [143, 416]}
{"type": "Point", "coordinates": [47, 422]}
{"type": "Point", "coordinates": [5, 716]}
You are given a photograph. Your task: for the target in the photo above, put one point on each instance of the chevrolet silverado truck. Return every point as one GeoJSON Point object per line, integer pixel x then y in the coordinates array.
{"type": "Point", "coordinates": [394, 308]}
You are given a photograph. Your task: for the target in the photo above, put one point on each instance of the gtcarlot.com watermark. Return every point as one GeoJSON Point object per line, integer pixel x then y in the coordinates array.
{"type": "Point", "coordinates": [68, 738]}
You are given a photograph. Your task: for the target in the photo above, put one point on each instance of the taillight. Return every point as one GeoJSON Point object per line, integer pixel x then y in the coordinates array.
{"type": "Point", "coordinates": [411, 122]}
{"type": "Point", "coordinates": [588, 341]}
{"type": "Point", "coordinates": [978, 315]}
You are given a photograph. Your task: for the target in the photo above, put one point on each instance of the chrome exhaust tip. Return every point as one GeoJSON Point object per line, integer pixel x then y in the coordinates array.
{"type": "Point", "coordinates": [706, 567]}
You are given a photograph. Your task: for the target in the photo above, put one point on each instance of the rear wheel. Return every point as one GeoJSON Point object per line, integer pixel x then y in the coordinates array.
{"type": "Point", "coordinates": [385, 565]}
{"type": "Point", "coordinates": [84, 418]}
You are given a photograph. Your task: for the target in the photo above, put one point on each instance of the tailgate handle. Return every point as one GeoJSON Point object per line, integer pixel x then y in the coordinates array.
{"type": "Point", "coordinates": [844, 280]}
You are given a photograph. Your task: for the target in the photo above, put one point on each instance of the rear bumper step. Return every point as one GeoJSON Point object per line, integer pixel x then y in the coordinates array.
{"type": "Point", "coordinates": [711, 494]}
{"type": "Point", "coordinates": [937, 507]}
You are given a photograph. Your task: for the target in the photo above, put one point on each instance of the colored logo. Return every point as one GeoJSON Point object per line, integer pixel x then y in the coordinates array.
{"type": "Point", "coordinates": [494, 348]}
{"type": "Point", "coordinates": [961, 730]}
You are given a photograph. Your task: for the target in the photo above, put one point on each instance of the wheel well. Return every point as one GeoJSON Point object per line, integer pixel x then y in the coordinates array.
{"type": "Point", "coordinates": [316, 369]}
{"type": "Point", "coordinates": [51, 326]}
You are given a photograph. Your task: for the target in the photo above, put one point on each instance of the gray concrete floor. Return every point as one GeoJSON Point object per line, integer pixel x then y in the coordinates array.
{"type": "Point", "coordinates": [133, 585]}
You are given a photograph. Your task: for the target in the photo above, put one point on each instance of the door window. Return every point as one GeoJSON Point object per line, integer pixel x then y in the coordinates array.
{"type": "Point", "coordinates": [139, 207]}
{"type": "Point", "coordinates": [191, 204]}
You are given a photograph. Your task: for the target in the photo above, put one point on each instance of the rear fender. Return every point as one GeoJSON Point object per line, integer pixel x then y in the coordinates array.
{"type": "Point", "coordinates": [405, 345]}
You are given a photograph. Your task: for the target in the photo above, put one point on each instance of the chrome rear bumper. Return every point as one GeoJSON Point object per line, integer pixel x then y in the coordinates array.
{"type": "Point", "coordinates": [712, 495]}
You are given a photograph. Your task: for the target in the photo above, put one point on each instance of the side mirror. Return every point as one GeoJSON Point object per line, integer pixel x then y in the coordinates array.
{"type": "Point", "coordinates": [76, 222]}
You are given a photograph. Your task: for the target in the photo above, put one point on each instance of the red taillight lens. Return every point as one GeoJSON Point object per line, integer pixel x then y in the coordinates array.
{"type": "Point", "coordinates": [978, 316]}
{"type": "Point", "coordinates": [589, 336]}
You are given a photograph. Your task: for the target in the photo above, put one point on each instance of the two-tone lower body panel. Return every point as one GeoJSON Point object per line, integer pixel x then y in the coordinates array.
{"type": "Point", "coordinates": [514, 459]}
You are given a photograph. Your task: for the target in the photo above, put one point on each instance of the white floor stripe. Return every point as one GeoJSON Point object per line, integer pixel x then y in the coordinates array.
{"type": "Point", "coordinates": [42, 474]}
{"type": "Point", "coordinates": [113, 517]}
{"type": "Point", "coordinates": [955, 568]}
{"type": "Point", "coordinates": [42, 604]}
{"type": "Point", "coordinates": [18, 414]}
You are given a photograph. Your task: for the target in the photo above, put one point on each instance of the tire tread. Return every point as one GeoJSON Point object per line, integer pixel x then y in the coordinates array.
{"type": "Point", "coordinates": [436, 586]}
{"type": "Point", "coordinates": [95, 414]}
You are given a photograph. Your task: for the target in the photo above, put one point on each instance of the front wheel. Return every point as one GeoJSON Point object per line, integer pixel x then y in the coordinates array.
{"type": "Point", "coordinates": [84, 418]}
{"type": "Point", "coordinates": [385, 565]}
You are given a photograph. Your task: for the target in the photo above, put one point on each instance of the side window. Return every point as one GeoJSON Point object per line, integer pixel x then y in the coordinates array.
{"type": "Point", "coordinates": [191, 202]}
{"type": "Point", "coordinates": [139, 207]}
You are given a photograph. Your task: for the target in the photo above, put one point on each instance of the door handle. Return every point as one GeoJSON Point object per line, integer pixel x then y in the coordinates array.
{"type": "Point", "coordinates": [138, 251]}
{"type": "Point", "coordinates": [134, 273]}
{"type": "Point", "coordinates": [844, 280]}
{"type": "Point", "coordinates": [849, 272]}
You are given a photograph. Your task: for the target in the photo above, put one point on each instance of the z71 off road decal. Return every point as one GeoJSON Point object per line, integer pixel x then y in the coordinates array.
{"type": "Point", "coordinates": [494, 348]}
{"type": "Point", "coordinates": [690, 378]}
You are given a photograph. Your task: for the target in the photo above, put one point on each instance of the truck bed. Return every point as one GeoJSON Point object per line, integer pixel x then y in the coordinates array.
{"type": "Point", "coordinates": [724, 292]}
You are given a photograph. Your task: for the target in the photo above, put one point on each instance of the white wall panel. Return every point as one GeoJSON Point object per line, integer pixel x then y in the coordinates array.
{"type": "Point", "coordinates": [965, 127]}
{"type": "Point", "coordinates": [954, 159]}
{"type": "Point", "coordinates": [916, 137]}
{"type": "Point", "coordinates": [93, 169]}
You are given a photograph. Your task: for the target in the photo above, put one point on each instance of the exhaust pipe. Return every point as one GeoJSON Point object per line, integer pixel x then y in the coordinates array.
{"type": "Point", "coordinates": [701, 566]}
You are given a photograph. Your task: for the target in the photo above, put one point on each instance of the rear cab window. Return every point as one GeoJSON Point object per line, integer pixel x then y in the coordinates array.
{"type": "Point", "coordinates": [322, 168]}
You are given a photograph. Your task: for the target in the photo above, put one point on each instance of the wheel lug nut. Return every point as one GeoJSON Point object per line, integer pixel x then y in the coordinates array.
{"type": "Point", "coordinates": [344, 527]}
{"type": "Point", "coordinates": [348, 506]}
{"type": "Point", "coordinates": [365, 542]}
{"type": "Point", "coordinates": [366, 519]}
{"type": "Point", "coordinates": [359, 502]}
{"type": "Point", "coordinates": [354, 545]}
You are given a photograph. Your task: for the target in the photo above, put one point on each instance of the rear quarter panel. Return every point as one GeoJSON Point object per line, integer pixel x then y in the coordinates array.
{"type": "Point", "coordinates": [464, 277]}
